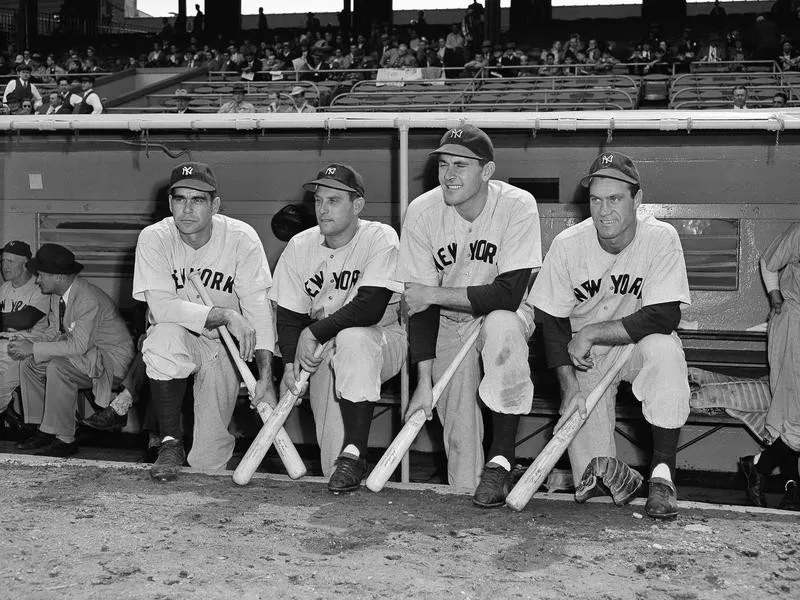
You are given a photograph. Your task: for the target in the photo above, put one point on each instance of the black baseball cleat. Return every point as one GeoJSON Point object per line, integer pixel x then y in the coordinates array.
{"type": "Point", "coordinates": [38, 440]}
{"type": "Point", "coordinates": [493, 488]}
{"type": "Point", "coordinates": [791, 497]}
{"type": "Point", "coordinates": [58, 449]}
{"type": "Point", "coordinates": [662, 499]}
{"type": "Point", "coordinates": [348, 474]}
{"type": "Point", "coordinates": [106, 420]}
{"type": "Point", "coordinates": [755, 481]}
{"type": "Point", "coordinates": [171, 457]}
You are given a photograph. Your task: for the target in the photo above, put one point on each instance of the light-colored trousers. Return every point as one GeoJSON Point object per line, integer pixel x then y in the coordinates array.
{"type": "Point", "coordinates": [173, 352]}
{"type": "Point", "coordinates": [9, 375]}
{"type": "Point", "coordinates": [505, 386]}
{"type": "Point", "coordinates": [50, 393]}
{"type": "Point", "coordinates": [356, 363]}
{"type": "Point", "coordinates": [657, 370]}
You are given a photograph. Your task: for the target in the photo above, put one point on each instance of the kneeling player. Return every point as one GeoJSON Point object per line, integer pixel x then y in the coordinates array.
{"type": "Point", "coordinates": [333, 284]}
{"type": "Point", "coordinates": [617, 279]}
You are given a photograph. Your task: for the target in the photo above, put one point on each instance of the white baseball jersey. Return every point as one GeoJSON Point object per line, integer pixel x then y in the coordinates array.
{"type": "Point", "coordinates": [28, 294]}
{"type": "Point", "coordinates": [233, 268]}
{"type": "Point", "coordinates": [439, 247]}
{"type": "Point", "coordinates": [312, 279]}
{"type": "Point", "coordinates": [582, 281]}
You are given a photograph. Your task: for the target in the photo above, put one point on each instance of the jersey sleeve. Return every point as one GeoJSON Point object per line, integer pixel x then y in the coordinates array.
{"type": "Point", "coordinates": [152, 273]}
{"type": "Point", "coordinates": [415, 259]}
{"type": "Point", "coordinates": [521, 247]}
{"type": "Point", "coordinates": [253, 282]}
{"type": "Point", "coordinates": [552, 291]}
{"type": "Point", "coordinates": [666, 279]}
{"type": "Point", "coordinates": [381, 263]}
{"type": "Point", "coordinates": [287, 285]}
{"type": "Point", "coordinates": [784, 249]}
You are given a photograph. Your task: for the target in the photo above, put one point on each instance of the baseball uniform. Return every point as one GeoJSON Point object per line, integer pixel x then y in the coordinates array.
{"type": "Point", "coordinates": [236, 275]}
{"type": "Point", "coordinates": [14, 300]}
{"type": "Point", "coordinates": [583, 282]}
{"type": "Point", "coordinates": [316, 280]}
{"type": "Point", "coordinates": [440, 248]}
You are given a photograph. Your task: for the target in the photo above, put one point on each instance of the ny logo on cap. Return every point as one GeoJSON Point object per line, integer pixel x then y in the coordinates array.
{"type": "Point", "coordinates": [188, 170]}
{"type": "Point", "coordinates": [607, 159]}
{"type": "Point", "coordinates": [330, 171]}
{"type": "Point", "coordinates": [456, 133]}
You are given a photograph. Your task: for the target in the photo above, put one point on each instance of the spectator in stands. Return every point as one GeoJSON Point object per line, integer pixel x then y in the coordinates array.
{"type": "Point", "coordinates": [21, 88]}
{"type": "Point", "coordinates": [271, 62]}
{"type": "Point", "coordinates": [198, 25]}
{"type": "Point", "coordinates": [472, 29]}
{"type": "Point", "coordinates": [167, 30]}
{"type": "Point", "coordinates": [57, 106]}
{"type": "Point", "coordinates": [425, 56]}
{"type": "Point", "coordinates": [86, 344]}
{"type": "Point", "coordinates": [174, 57]}
{"type": "Point", "coordinates": [788, 58]}
{"type": "Point", "coordinates": [509, 60]}
{"type": "Point", "coordinates": [263, 27]}
{"type": "Point", "coordinates": [90, 103]}
{"type": "Point", "coordinates": [403, 58]}
{"type": "Point", "coordinates": [718, 14]}
{"type": "Point", "coordinates": [156, 57]}
{"type": "Point", "coordinates": [27, 58]}
{"type": "Point", "coordinates": [387, 51]}
{"type": "Point", "coordinates": [238, 104]}
{"type": "Point", "coordinates": [251, 67]}
{"type": "Point", "coordinates": [228, 65]}
{"type": "Point", "coordinates": [68, 97]}
{"type": "Point", "coordinates": [299, 102]}
{"type": "Point", "coordinates": [191, 60]}
{"type": "Point", "coordinates": [26, 107]}
{"type": "Point", "coordinates": [550, 68]}
{"type": "Point", "coordinates": [312, 23]}
{"type": "Point", "coordinates": [182, 100]}
{"type": "Point", "coordinates": [779, 100]}
{"type": "Point", "coordinates": [273, 103]}
{"type": "Point", "coordinates": [51, 70]}
{"type": "Point", "coordinates": [740, 97]}
{"type": "Point", "coordinates": [454, 39]}
{"type": "Point", "coordinates": [482, 60]}
{"type": "Point", "coordinates": [714, 52]}
{"type": "Point", "coordinates": [767, 43]}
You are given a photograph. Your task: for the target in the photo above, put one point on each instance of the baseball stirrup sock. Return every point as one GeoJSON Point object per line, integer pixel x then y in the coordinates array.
{"type": "Point", "coordinates": [357, 418]}
{"type": "Point", "coordinates": [665, 447]}
{"type": "Point", "coordinates": [167, 397]}
{"type": "Point", "coordinates": [504, 436]}
{"type": "Point", "coordinates": [788, 465]}
{"type": "Point", "coordinates": [772, 456]}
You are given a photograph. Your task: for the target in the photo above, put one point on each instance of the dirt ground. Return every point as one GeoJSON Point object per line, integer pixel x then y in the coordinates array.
{"type": "Point", "coordinates": [75, 532]}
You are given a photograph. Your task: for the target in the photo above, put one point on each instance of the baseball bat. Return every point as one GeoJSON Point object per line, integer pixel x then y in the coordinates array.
{"type": "Point", "coordinates": [402, 442]}
{"type": "Point", "coordinates": [295, 467]}
{"type": "Point", "coordinates": [533, 477]}
{"type": "Point", "coordinates": [272, 426]}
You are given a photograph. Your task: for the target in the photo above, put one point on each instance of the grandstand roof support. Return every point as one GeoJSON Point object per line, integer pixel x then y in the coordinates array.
{"type": "Point", "coordinates": [27, 24]}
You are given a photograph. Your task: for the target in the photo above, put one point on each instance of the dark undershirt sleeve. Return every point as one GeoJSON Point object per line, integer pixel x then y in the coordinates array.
{"type": "Point", "coordinates": [20, 320]}
{"type": "Point", "coordinates": [504, 293]}
{"type": "Point", "coordinates": [556, 333]}
{"type": "Point", "coordinates": [289, 326]}
{"type": "Point", "coordinates": [655, 318]}
{"type": "Point", "coordinates": [423, 331]}
{"type": "Point", "coordinates": [365, 310]}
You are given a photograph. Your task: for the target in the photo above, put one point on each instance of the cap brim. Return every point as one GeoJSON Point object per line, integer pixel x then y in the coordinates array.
{"type": "Point", "coordinates": [193, 184]}
{"type": "Point", "coordinates": [335, 184]}
{"type": "Point", "coordinates": [608, 174]}
{"type": "Point", "coordinates": [457, 150]}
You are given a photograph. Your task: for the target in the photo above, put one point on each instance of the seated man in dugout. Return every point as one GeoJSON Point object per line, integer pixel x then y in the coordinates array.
{"type": "Point", "coordinates": [23, 308]}
{"type": "Point", "coordinates": [86, 345]}
{"type": "Point", "coordinates": [333, 289]}
{"type": "Point", "coordinates": [612, 280]}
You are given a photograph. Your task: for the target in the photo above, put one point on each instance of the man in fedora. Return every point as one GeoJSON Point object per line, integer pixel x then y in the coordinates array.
{"type": "Point", "coordinates": [238, 104]}
{"type": "Point", "coordinates": [299, 102]}
{"type": "Point", "coordinates": [86, 345]}
{"type": "Point", "coordinates": [182, 100]}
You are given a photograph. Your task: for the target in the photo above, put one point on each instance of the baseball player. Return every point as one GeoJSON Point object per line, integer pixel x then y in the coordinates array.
{"type": "Point", "coordinates": [780, 270]}
{"type": "Point", "coordinates": [333, 286]}
{"type": "Point", "coordinates": [183, 339]}
{"type": "Point", "coordinates": [468, 248]}
{"type": "Point", "coordinates": [612, 280]}
{"type": "Point", "coordinates": [22, 311]}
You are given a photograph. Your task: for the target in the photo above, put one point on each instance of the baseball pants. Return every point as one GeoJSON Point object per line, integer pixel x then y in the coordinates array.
{"type": "Point", "coordinates": [505, 387]}
{"type": "Point", "coordinates": [50, 394]}
{"type": "Point", "coordinates": [783, 351]}
{"type": "Point", "coordinates": [9, 375]}
{"type": "Point", "coordinates": [173, 352]}
{"type": "Point", "coordinates": [657, 370]}
{"type": "Point", "coordinates": [355, 365]}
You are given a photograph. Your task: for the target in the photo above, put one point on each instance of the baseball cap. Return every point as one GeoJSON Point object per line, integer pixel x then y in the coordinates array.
{"type": "Point", "coordinates": [613, 165]}
{"type": "Point", "coordinates": [467, 141]}
{"type": "Point", "coordinates": [18, 248]}
{"type": "Point", "coordinates": [193, 175]}
{"type": "Point", "coordinates": [338, 177]}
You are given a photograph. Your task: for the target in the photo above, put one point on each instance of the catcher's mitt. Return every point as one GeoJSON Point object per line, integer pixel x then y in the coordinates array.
{"type": "Point", "coordinates": [607, 476]}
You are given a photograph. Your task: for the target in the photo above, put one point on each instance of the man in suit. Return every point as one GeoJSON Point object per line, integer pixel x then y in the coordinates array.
{"type": "Point", "coordinates": [86, 345]}
{"type": "Point", "coordinates": [182, 100]}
